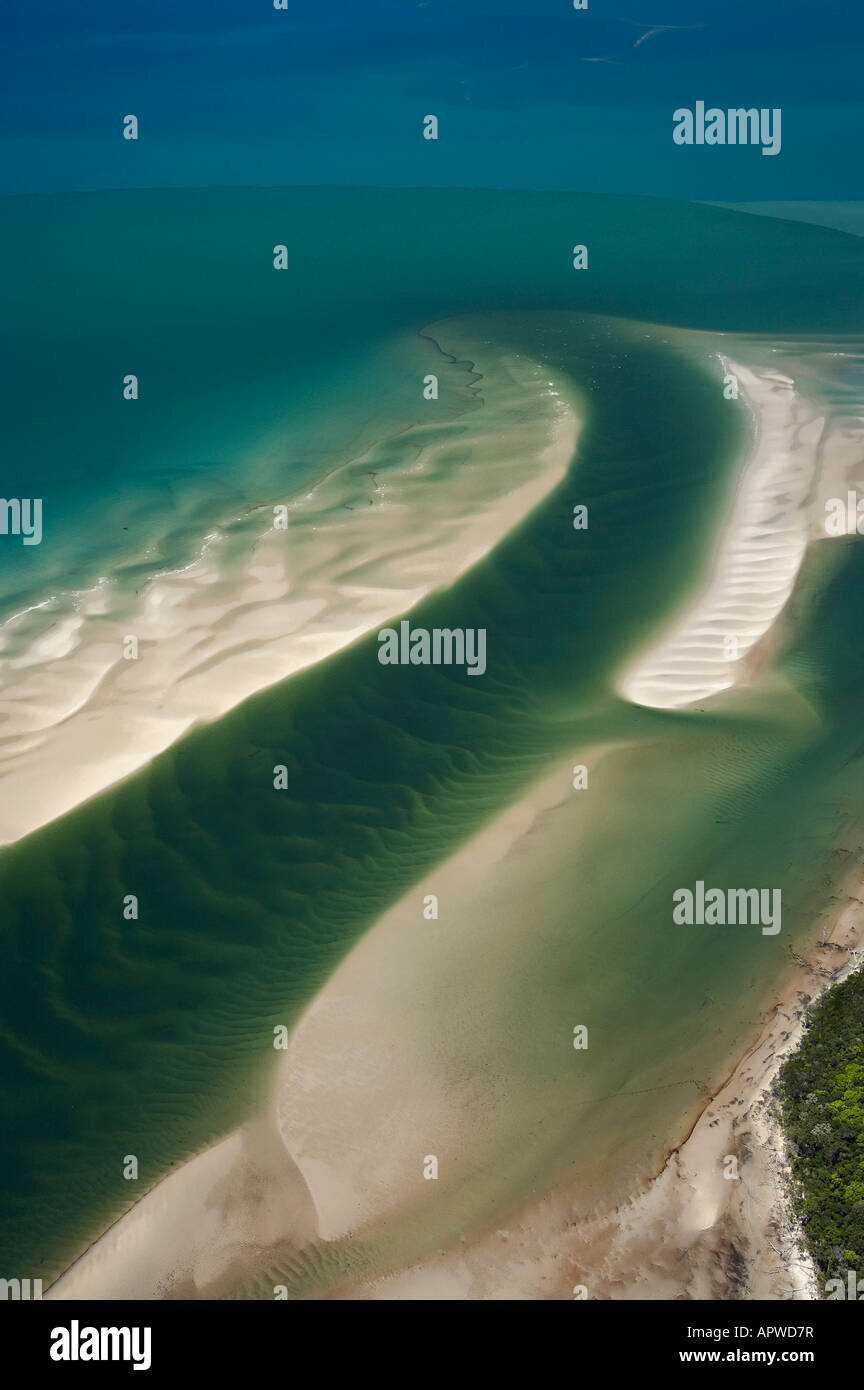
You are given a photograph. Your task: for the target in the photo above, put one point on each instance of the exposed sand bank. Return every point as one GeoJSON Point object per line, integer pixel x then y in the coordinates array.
{"type": "Point", "coordinates": [759, 553]}
{"type": "Point", "coordinates": [221, 1208]}
{"type": "Point", "coordinates": [364, 544]}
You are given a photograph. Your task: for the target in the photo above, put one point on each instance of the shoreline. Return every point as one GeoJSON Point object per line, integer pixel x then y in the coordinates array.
{"type": "Point", "coordinates": [738, 1238]}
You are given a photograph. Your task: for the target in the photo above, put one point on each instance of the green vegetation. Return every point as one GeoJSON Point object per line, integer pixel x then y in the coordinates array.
{"type": "Point", "coordinates": [821, 1091]}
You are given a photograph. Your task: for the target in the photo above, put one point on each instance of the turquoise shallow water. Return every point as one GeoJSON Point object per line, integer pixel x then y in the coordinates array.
{"type": "Point", "coordinates": [155, 1040]}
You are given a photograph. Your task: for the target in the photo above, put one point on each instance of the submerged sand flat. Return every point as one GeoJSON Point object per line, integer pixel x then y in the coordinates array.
{"type": "Point", "coordinates": [450, 1037]}
{"type": "Point", "coordinates": [360, 546]}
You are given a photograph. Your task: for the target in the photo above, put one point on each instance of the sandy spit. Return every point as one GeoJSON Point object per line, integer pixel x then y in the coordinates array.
{"type": "Point", "coordinates": [263, 601]}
